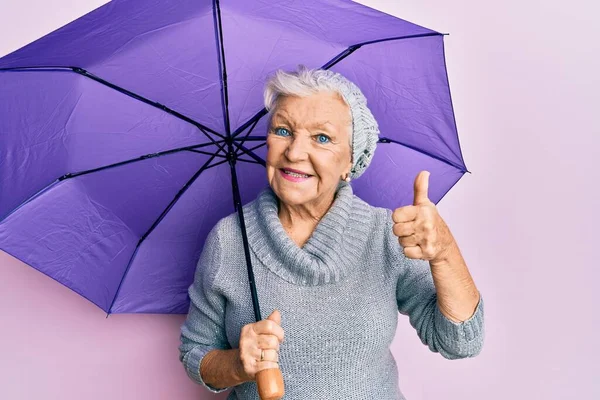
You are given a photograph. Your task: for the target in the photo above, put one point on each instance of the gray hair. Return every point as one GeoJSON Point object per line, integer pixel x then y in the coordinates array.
{"type": "Point", "coordinates": [364, 131]}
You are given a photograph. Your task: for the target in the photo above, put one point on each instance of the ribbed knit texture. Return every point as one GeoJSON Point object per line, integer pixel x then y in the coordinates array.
{"type": "Point", "coordinates": [339, 297]}
{"type": "Point", "coordinates": [365, 129]}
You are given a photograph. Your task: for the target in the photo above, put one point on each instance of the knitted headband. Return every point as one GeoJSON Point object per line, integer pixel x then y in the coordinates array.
{"type": "Point", "coordinates": [365, 130]}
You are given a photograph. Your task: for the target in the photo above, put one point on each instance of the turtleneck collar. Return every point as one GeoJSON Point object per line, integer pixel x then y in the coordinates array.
{"type": "Point", "coordinates": [333, 249]}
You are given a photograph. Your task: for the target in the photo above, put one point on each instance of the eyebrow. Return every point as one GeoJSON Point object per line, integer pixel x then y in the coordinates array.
{"type": "Point", "coordinates": [322, 124]}
{"type": "Point", "coordinates": [319, 124]}
{"type": "Point", "coordinates": [280, 116]}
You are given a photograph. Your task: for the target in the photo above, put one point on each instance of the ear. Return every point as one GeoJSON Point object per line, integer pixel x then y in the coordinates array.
{"type": "Point", "coordinates": [346, 172]}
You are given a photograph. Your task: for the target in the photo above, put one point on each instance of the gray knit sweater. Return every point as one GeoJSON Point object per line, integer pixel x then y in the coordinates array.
{"type": "Point", "coordinates": [339, 297]}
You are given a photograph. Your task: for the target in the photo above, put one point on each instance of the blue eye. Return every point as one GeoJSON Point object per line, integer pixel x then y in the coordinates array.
{"type": "Point", "coordinates": [282, 132]}
{"type": "Point", "coordinates": [323, 138]}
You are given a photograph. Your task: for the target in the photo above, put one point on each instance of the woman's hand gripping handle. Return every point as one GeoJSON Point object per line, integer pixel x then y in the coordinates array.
{"type": "Point", "coordinates": [262, 339]}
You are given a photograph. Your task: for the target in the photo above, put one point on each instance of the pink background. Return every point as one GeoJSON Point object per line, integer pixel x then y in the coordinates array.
{"type": "Point", "coordinates": [525, 80]}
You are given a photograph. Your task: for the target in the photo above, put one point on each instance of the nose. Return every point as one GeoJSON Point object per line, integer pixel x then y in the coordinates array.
{"type": "Point", "coordinates": [297, 149]}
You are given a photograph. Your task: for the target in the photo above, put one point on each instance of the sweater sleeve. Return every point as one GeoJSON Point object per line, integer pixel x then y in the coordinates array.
{"type": "Point", "coordinates": [417, 298]}
{"type": "Point", "coordinates": [204, 327]}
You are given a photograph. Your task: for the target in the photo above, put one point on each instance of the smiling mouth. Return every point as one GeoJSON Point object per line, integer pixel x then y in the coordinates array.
{"type": "Point", "coordinates": [295, 174]}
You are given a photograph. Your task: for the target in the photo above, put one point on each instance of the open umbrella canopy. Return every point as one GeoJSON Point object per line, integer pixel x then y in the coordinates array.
{"type": "Point", "coordinates": [119, 131]}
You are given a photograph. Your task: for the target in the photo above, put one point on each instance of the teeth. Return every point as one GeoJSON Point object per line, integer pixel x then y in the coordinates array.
{"type": "Point", "coordinates": [295, 174]}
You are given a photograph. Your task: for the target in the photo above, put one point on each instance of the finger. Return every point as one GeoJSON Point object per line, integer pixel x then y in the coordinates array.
{"type": "Point", "coordinates": [267, 342]}
{"type": "Point", "coordinates": [269, 355]}
{"type": "Point", "coordinates": [269, 327]}
{"type": "Point", "coordinates": [421, 188]}
{"type": "Point", "coordinates": [266, 365]}
{"type": "Point", "coordinates": [404, 229]}
{"type": "Point", "coordinates": [405, 214]}
{"type": "Point", "coordinates": [275, 317]}
{"type": "Point", "coordinates": [413, 252]}
{"type": "Point", "coordinates": [409, 241]}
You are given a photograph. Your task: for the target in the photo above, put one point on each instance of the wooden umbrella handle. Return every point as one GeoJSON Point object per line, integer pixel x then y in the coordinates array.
{"type": "Point", "coordinates": [270, 384]}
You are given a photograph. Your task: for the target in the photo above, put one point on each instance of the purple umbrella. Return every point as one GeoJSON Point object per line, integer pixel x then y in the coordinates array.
{"type": "Point", "coordinates": [128, 133]}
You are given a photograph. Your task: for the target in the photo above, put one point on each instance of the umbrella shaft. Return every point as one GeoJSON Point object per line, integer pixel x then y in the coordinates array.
{"type": "Point", "coordinates": [237, 201]}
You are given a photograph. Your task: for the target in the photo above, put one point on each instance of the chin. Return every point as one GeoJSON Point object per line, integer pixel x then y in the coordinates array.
{"type": "Point", "coordinates": [294, 195]}
{"type": "Point", "coordinates": [295, 199]}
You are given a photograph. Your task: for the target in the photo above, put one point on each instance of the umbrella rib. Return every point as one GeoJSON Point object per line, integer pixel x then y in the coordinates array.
{"type": "Point", "coordinates": [222, 65]}
{"type": "Point", "coordinates": [354, 47]}
{"type": "Point", "coordinates": [418, 35]}
{"type": "Point", "coordinates": [208, 153]}
{"type": "Point", "coordinates": [249, 132]}
{"type": "Point", "coordinates": [387, 140]}
{"type": "Point", "coordinates": [251, 154]}
{"type": "Point", "coordinates": [144, 157]}
{"type": "Point", "coordinates": [243, 139]}
{"type": "Point", "coordinates": [204, 129]}
{"type": "Point", "coordinates": [253, 138]}
{"type": "Point", "coordinates": [75, 174]}
{"type": "Point", "coordinates": [252, 120]}
{"type": "Point", "coordinates": [257, 146]}
{"type": "Point", "coordinates": [160, 218]}
{"type": "Point", "coordinates": [351, 49]}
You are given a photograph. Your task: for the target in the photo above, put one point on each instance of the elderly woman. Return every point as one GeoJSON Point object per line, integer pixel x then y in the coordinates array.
{"type": "Point", "coordinates": [332, 271]}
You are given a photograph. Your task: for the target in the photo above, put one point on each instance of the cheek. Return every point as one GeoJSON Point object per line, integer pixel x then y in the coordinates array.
{"type": "Point", "coordinates": [329, 164]}
{"type": "Point", "coordinates": [270, 148]}
{"type": "Point", "coordinates": [274, 156]}
{"type": "Point", "coordinates": [273, 153]}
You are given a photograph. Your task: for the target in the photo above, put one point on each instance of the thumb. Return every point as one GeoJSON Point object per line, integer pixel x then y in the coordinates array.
{"type": "Point", "coordinates": [275, 317]}
{"type": "Point", "coordinates": [421, 188]}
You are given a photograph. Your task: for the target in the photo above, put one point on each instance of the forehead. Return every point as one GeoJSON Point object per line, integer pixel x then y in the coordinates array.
{"type": "Point", "coordinates": [318, 107]}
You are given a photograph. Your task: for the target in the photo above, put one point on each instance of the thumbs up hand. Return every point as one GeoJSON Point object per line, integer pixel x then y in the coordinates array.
{"type": "Point", "coordinates": [420, 229]}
